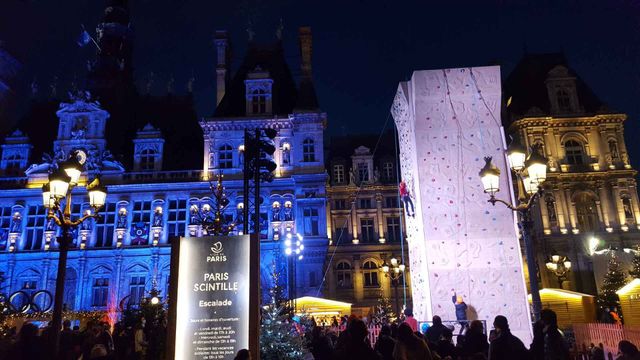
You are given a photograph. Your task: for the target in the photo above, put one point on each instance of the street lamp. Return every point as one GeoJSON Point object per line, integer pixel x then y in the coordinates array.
{"type": "Point", "coordinates": [559, 266]}
{"type": "Point", "coordinates": [293, 249]}
{"type": "Point", "coordinates": [56, 197]}
{"type": "Point", "coordinates": [394, 271]}
{"type": "Point", "coordinates": [531, 172]}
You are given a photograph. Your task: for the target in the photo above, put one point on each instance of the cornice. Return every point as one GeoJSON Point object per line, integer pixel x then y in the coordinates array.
{"type": "Point", "coordinates": [550, 121]}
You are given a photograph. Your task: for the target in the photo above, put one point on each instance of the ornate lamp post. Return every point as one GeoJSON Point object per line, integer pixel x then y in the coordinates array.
{"type": "Point", "coordinates": [560, 267]}
{"type": "Point", "coordinates": [395, 273]}
{"type": "Point", "coordinates": [56, 197]}
{"type": "Point", "coordinates": [531, 172]}
{"type": "Point", "coordinates": [293, 250]}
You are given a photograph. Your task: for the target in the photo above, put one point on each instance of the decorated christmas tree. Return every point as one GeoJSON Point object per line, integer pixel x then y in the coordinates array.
{"type": "Point", "coordinates": [614, 279]}
{"type": "Point", "coordinates": [635, 265]}
{"type": "Point", "coordinates": [383, 311]}
{"type": "Point", "coordinates": [280, 338]}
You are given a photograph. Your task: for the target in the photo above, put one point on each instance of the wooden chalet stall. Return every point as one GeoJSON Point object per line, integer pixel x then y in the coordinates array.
{"type": "Point", "coordinates": [323, 310]}
{"type": "Point", "coordinates": [571, 307]}
{"type": "Point", "coordinates": [630, 302]}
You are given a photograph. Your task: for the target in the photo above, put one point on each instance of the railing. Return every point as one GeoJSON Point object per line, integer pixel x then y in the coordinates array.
{"type": "Point", "coordinates": [607, 334]}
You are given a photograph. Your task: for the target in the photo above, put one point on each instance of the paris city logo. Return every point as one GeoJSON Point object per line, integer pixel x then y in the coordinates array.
{"type": "Point", "coordinates": [216, 253]}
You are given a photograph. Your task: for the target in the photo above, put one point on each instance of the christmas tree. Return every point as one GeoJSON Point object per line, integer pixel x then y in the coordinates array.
{"type": "Point", "coordinates": [635, 269]}
{"type": "Point", "coordinates": [613, 280]}
{"type": "Point", "coordinates": [152, 310]}
{"type": "Point", "coordinates": [383, 311]}
{"type": "Point", "coordinates": [279, 337]}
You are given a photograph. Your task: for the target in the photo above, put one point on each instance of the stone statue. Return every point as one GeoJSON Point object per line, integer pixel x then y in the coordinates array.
{"type": "Point", "coordinates": [352, 177]}
{"type": "Point", "coordinates": [275, 213]}
{"type": "Point", "coordinates": [551, 210]}
{"type": "Point", "coordinates": [16, 223]}
{"type": "Point", "coordinates": [157, 218]}
{"type": "Point", "coordinates": [376, 175]}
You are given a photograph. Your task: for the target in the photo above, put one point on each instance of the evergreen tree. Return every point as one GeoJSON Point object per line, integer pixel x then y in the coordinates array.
{"type": "Point", "coordinates": [614, 279]}
{"type": "Point", "coordinates": [154, 315]}
{"type": "Point", "coordinates": [280, 338]}
{"type": "Point", "coordinates": [383, 311]}
{"type": "Point", "coordinates": [635, 269]}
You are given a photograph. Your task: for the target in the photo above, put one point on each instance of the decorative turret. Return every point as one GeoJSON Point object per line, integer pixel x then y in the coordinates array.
{"type": "Point", "coordinates": [15, 154]}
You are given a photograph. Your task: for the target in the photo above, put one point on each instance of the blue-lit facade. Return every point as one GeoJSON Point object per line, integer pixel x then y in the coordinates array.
{"type": "Point", "coordinates": [118, 258]}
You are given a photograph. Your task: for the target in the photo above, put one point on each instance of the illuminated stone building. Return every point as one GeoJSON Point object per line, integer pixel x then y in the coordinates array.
{"type": "Point", "coordinates": [364, 222]}
{"type": "Point", "coordinates": [590, 201]}
{"type": "Point", "coordinates": [156, 186]}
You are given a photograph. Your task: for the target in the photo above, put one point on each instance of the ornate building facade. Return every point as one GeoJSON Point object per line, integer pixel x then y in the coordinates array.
{"type": "Point", "coordinates": [118, 258]}
{"type": "Point", "coordinates": [590, 201]}
{"type": "Point", "coordinates": [365, 224]}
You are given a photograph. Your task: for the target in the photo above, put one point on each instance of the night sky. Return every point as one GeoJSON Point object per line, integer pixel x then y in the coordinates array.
{"type": "Point", "coordinates": [362, 49]}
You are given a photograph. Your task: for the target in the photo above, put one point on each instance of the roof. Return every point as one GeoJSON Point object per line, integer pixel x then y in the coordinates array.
{"type": "Point", "coordinates": [343, 147]}
{"type": "Point", "coordinates": [286, 96]}
{"type": "Point", "coordinates": [526, 86]}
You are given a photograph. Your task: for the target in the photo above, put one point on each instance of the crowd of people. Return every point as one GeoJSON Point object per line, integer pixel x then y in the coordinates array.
{"type": "Point", "coordinates": [95, 341]}
{"type": "Point", "coordinates": [403, 341]}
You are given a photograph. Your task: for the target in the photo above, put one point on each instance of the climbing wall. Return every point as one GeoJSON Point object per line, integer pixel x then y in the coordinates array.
{"type": "Point", "coordinates": [447, 121]}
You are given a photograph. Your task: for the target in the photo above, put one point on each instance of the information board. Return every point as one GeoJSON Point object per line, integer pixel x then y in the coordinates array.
{"type": "Point", "coordinates": [210, 285]}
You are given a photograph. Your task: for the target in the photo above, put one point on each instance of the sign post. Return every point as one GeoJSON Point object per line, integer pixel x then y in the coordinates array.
{"type": "Point", "coordinates": [210, 290]}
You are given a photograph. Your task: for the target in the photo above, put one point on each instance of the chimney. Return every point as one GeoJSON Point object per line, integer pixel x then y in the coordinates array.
{"type": "Point", "coordinates": [304, 35]}
{"type": "Point", "coordinates": [222, 67]}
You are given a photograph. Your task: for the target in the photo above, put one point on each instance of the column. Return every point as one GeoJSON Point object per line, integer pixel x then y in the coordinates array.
{"type": "Point", "coordinates": [560, 209]}
{"type": "Point", "coordinates": [600, 214]}
{"type": "Point", "coordinates": [634, 201]}
{"type": "Point", "coordinates": [354, 221]}
{"type": "Point", "coordinates": [358, 280]}
{"type": "Point", "coordinates": [381, 237]}
{"type": "Point", "coordinates": [572, 211]}
{"type": "Point", "coordinates": [118, 275]}
{"type": "Point", "coordinates": [46, 264]}
{"type": "Point", "coordinates": [615, 190]}
{"type": "Point", "coordinates": [10, 269]}
{"type": "Point", "coordinates": [327, 211]}
{"type": "Point", "coordinates": [544, 214]}
{"type": "Point", "coordinates": [82, 279]}
{"type": "Point", "coordinates": [604, 205]}
{"type": "Point", "coordinates": [155, 258]}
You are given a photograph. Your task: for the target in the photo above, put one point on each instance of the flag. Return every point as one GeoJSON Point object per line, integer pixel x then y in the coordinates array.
{"type": "Point", "coordinates": [84, 38]}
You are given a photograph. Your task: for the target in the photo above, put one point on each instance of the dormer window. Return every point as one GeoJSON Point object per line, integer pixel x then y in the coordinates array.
{"type": "Point", "coordinates": [561, 89]}
{"type": "Point", "coordinates": [363, 172]}
{"type": "Point", "coordinates": [574, 152]}
{"type": "Point", "coordinates": [147, 159]}
{"type": "Point", "coordinates": [564, 101]}
{"type": "Point", "coordinates": [225, 157]}
{"type": "Point", "coordinates": [308, 150]}
{"type": "Point", "coordinates": [258, 87]}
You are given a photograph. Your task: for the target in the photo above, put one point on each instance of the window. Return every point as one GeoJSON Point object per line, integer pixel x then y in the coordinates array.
{"type": "Point", "coordinates": [308, 150]}
{"type": "Point", "coordinates": [387, 171]}
{"type": "Point", "coordinates": [259, 101]}
{"type": "Point", "coordinates": [310, 221]}
{"type": "Point", "coordinates": [343, 275]}
{"type": "Point", "coordinates": [370, 271]}
{"type": "Point", "coordinates": [564, 102]}
{"type": "Point", "coordinates": [13, 164]}
{"type": "Point", "coordinates": [363, 172]}
{"type": "Point", "coordinates": [177, 217]}
{"type": "Point", "coordinates": [365, 203]}
{"type": "Point", "coordinates": [136, 289]}
{"type": "Point", "coordinates": [35, 227]}
{"type": "Point", "coordinates": [141, 211]}
{"type": "Point", "coordinates": [586, 212]}
{"type": "Point", "coordinates": [286, 153]}
{"type": "Point", "coordinates": [341, 234]}
{"type": "Point", "coordinates": [340, 204]}
{"type": "Point", "coordinates": [100, 291]}
{"type": "Point", "coordinates": [147, 159]}
{"type": "Point", "coordinates": [225, 157]}
{"type": "Point", "coordinates": [574, 152]}
{"type": "Point", "coordinates": [338, 173]}
{"type": "Point", "coordinates": [5, 225]}
{"type": "Point", "coordinates": [393, 228]}
{"type": "Point", "coordinates": [366, 230]}
{"type": "Point", "coordinates": [105, 226]}
{"type": "Point", "coordinates": [391, 202]}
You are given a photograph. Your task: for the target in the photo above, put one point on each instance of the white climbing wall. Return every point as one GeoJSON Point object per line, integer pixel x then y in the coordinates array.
{"type": "Point", "coordinates": [447, 121]}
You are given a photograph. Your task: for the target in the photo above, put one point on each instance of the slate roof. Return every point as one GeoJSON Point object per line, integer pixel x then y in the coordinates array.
{"type": "Point", "coordinates": [526, 86]}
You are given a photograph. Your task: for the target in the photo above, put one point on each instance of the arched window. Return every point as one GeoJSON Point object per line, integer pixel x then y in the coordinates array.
{"type": "Point", "coordinates": [574, 152]}
{"type": "Point", "coordinates": [225, 157]}
{"type": "Point", "coordinates": [564, 101]}
{"type": "Point", "coordinates": [343, 275]}
{"type": "Point", "coordinates": [147, 159]}
{"type": "Point", "coordinates": [370, 271]}
{"type": "Point", "coordinates": [308, 150]}
{"type": "Point", "coordinates": [285, 147]}
{"type": "Point", "coordinates": [586, 212]}
{"type": "Point", "coordinates": [259, 101]}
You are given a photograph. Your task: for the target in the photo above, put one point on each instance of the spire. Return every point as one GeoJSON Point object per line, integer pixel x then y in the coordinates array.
{"type": "Point", "coordinates": [307, 99]}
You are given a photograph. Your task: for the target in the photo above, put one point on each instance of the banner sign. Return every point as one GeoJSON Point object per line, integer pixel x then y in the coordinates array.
{"type": "Point", "coordinates": [209, 315]}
